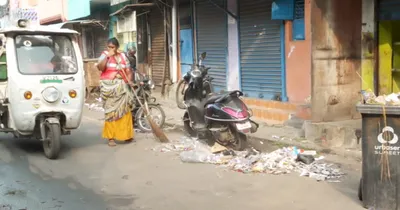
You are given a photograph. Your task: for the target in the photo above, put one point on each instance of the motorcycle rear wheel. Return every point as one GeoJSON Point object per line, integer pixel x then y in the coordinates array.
{"type": "Point", "coordinates": [141, 121]}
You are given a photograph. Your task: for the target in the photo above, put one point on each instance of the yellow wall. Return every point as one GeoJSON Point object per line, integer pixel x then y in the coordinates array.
{"type": "Point", "coordinates": [389, 57]}
{"type": "Point", "coordinates": [396, 55]}
{"type": "Point", "coordinates": [385, 57]}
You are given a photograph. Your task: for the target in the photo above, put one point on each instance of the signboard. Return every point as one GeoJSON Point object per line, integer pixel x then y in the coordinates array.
{"type": "Point", "coordinates": [28, 13]}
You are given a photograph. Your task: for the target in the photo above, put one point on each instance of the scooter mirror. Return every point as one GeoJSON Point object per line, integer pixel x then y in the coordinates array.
{"type": "Point", "coordinates": [203, 55]}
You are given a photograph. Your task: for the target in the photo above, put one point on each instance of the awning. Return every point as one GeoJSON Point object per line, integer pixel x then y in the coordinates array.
{"type": "Point", "coordinates": [81, 22]}
{"type": "Point", "coordinates": [132, 7]}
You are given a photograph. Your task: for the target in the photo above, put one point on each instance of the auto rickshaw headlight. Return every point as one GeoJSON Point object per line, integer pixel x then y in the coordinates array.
{"type": "Point", "coordinates": [28, 95]}
{"type": "Point", "coordinates": [72, 93]}
{"type": "Point", "coordinates": [51, 94]}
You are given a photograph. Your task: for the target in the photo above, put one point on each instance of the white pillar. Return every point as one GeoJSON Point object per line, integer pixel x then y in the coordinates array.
{"type": "Point", "coordinates": [233, 48]}
{"type": "Point", "coordinates": [174, 70]}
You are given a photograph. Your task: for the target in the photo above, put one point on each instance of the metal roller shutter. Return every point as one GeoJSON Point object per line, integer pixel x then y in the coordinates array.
{"type": "Point", "coordinates": [212, 38]}
{"type": "Point", "coordinates": [389, 10]}
{"type": "Point", "coordinates": [156, 21]}
{"type": "Point", "coordinates": [260, 50]}
{"type": "Point", "coordinates": [100, 40]}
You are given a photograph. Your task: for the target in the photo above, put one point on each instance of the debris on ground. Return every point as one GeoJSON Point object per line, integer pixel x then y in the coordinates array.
{"type": "Point", "coordinates": [97, 106]}
{"type": "Point", "coordinates": [281, 161]}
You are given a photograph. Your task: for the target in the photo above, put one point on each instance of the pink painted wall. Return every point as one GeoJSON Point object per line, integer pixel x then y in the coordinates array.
{"type": "Point", "coordinates": [28, 3]}
{"type": "Point", "coordinates": [52, 10]}
{"type": "Point", "coordinates": [298, 61]}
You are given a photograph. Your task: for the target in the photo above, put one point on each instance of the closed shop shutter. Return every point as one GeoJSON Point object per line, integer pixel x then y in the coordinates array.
{"type": "Point", "coordinates": [157, 45]}
{"type": "Point", "coordinates": [100, 40]}
{"type": "Point", "coordinates": [212, 38]}
{"type": "Point", "coordinates": [389, 10]}
{"type": "Point", "coordinates": [95, 41]}
{"type": "Point", "coordinates": [88, 51]}
{"type": "Point", "coordinates": [260, 50]}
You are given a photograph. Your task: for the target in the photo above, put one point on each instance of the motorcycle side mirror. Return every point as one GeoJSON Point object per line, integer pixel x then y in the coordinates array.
{"type": "Point", "coordinates": [203, 55]}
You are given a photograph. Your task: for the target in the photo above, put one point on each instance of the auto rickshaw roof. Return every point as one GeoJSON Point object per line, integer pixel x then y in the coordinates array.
{"type": "Point", "coordinates": [37, 30]}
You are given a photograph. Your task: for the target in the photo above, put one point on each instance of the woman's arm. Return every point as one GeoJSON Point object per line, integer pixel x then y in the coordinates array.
{"type": "Point", "coordinates": [102, 62]}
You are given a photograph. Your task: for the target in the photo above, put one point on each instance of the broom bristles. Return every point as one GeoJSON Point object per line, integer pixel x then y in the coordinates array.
{"type": "Point", "coordinates": [157, 131]}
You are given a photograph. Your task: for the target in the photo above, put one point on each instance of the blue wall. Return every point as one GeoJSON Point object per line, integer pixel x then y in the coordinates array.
{"type": "Point", "coordinates": [78, 9]}
{"type": "Point", "coordinates": [186, 45]}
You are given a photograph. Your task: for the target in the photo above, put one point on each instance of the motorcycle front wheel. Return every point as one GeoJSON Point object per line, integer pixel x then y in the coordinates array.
{"type": "Point", "coordinates": [156, 113]}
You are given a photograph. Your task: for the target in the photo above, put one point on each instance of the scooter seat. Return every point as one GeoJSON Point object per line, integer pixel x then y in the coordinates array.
{"type": "Point", "coordinates": [213, 98]}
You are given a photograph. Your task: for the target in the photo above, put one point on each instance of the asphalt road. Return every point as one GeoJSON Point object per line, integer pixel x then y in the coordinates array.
{"type": "Point", "coordinates": [92, 176]}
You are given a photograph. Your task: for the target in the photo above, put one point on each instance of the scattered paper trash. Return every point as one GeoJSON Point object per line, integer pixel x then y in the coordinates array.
{"type": "Point", "coordinates": [276, 137]}
{"type": "Point", "coordinates": [98, 106]}
{"type": "Point", "coordinates": [281, 161]}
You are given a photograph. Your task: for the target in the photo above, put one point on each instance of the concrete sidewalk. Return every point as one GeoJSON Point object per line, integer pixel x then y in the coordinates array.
{"type": "Point", "coordinates": [277, 134]}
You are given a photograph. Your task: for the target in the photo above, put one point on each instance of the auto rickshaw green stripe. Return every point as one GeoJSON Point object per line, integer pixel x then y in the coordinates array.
{"type": "Point", "coordinates": [50, 81]}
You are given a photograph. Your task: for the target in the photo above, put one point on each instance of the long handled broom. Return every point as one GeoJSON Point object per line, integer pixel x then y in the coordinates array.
{"type": "Point", "coordinates": [157, 131]}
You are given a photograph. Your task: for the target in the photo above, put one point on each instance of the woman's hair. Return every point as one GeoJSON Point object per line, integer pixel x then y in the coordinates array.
{"type": "Point", "coordinates": [113, 41]}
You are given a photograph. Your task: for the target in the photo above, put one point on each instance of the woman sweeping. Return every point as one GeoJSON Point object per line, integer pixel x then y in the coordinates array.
{"type": "Point", "coordinates": [116, 94]}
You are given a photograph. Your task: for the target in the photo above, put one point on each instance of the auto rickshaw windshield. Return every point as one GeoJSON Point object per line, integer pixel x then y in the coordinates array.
{"type": "Point", "coordinates": [45, 54]}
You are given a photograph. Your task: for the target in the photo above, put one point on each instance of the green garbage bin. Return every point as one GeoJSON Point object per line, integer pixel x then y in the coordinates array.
{"type": "Point", "coordinates": [380, 182]}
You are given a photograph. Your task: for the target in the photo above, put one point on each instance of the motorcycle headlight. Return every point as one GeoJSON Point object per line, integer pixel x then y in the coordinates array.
{"type": "Point", "coordinates": [151, 84]}
{"type": "Point", "coordinates": [196, 73]}
{"type": "Point", "coordinates": [51, 94]}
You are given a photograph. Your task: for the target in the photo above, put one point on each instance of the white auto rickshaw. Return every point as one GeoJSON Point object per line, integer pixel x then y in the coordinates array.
{"type": "Point", "coordinates": [42, 86]}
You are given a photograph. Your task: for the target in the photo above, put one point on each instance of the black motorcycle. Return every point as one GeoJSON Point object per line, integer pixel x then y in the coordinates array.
{"type": "Point", "coordinates": [143, 87]}
{"type": "Point", "coordinates": [183, 84]}
{"type": "Point", "coordinates": [224, 118]}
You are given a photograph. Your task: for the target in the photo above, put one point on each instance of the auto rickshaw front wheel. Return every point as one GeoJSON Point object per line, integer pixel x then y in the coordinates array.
{"type": "Point", "coordinates": [52, 143]}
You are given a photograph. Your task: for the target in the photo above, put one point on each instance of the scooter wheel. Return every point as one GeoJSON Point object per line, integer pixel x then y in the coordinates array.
{"type": "Point", "coordinates": [240, 143]}
{"type": "Point", "coordinates": [179, 94]}
{"type": "Point", "coordinates": [52, 143]}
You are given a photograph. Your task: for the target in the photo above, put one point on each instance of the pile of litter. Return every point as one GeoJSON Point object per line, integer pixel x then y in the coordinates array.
{"type": "Point", "coordinates": [281, 161]}
{"type": "Point", "coordinates": [369, 97]}
{"type": "Point", "coordinates": [98, 106]}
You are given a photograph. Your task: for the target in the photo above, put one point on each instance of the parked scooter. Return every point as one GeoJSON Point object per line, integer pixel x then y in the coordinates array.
{"type": "Point", "coordinates": [183, 84]}
{"type": "Point", "coordinates": [223, 118]}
